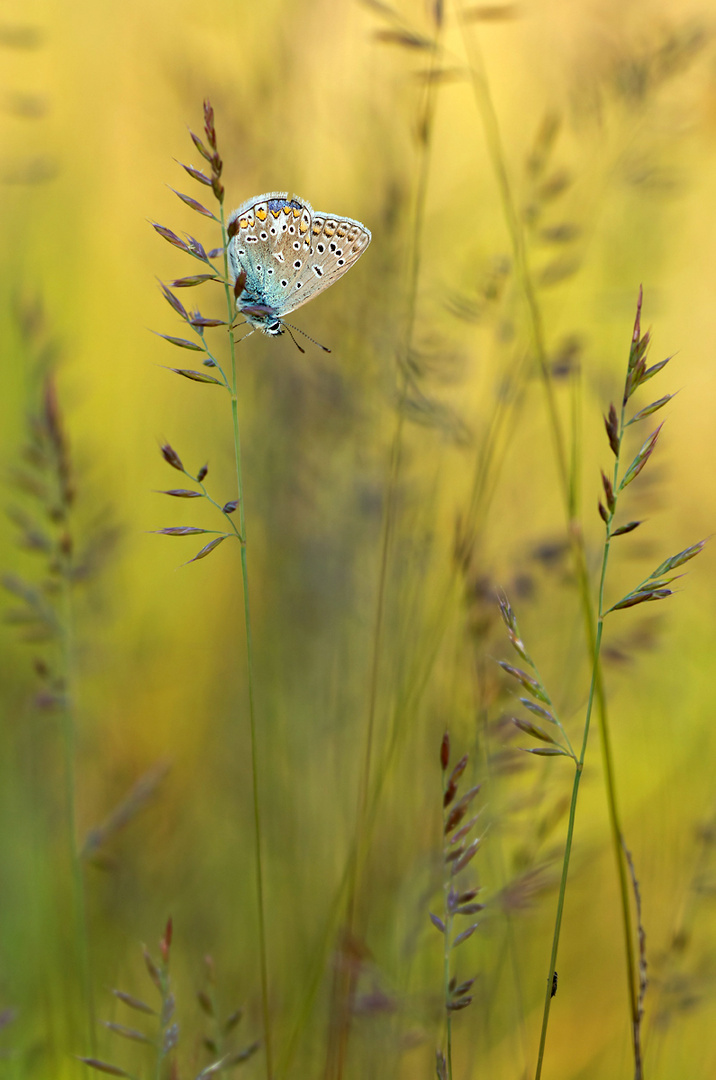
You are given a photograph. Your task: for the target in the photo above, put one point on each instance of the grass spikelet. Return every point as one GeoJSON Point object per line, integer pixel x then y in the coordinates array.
{"type": "Point", "coordinates": [458, 897]}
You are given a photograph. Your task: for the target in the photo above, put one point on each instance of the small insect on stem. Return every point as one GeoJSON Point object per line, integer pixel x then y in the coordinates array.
{"type": "Point", "coordinates": [554, 984]}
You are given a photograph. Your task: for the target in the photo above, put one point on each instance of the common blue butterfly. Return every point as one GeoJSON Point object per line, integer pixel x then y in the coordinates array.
{"type": "Point", "coordinates": [288, 253]}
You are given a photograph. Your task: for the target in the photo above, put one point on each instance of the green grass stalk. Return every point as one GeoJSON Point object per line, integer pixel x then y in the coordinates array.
{"type": "Point", "coordinates": [394, 462]}
{"type": "Point", "coordinates": [595, 683]}
{"type": "Point", "coordinates": [258, 838]}
{"type": "Point", "coordinates": [568, 486]}
{"type": "Point", "coordinates": [69, 742]}
{"type": "Point", "coordinates": [335, 1063]}
{"type": "Point", "coordinates": [447, 943]}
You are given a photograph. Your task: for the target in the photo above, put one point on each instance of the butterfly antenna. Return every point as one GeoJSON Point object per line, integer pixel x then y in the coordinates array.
{"type": "Point", "coordinates": [299, 331]}
{"type": "Point", "coordinates": [293, 338]}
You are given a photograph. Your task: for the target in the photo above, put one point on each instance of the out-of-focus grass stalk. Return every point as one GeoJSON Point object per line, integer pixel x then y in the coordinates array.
{"type": "Point", "coordinates": [69, 742]}
{"type": "Point", "coordinates": [567, 476]}
{"type": "Point", "coordinates": [344, 989]}
{"type": "Point", "coordinates": [263, 951]}
{"type": "Point", "coordinates": [458, 851]}
{"type": "Point", "coordinates": [447, 934]}
{"type": "Point", "coordinates": [425, 128]}
{"type": "Point", "coordinates": [46, 477]}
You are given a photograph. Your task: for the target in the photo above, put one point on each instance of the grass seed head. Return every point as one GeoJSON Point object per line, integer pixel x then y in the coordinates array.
{"type": "Point", "coordinates": [445, 752]}
{"type": "Point", "coordinates": [171, 457]}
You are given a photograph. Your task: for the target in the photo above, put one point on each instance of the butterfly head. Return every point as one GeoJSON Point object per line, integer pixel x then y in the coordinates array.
{"type": "Point", "coordinates": [261, 317]}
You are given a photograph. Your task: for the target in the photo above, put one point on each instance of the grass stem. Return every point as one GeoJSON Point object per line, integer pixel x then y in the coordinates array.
{"type": "Point", "coordinates": [595, 689]}
{"type": "Point", "coordinates": [69, 740]}
{"type": "Point", "coordinates": [336, 1054]}
{"type": "Point", "coordinates": [569, 490]}
{"type": "Point", "coordinates": [258, 836]}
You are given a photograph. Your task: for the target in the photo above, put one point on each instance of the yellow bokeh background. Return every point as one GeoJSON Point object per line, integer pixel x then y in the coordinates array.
{"type": "Point", "coordinates": [325, 99]}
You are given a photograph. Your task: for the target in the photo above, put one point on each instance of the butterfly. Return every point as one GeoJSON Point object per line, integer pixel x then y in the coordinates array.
{"type": "Point", "coordinates": [282, 253]}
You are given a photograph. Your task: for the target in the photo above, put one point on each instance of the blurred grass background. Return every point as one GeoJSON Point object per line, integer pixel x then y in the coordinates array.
{"type": "Point", "coordinates": [621, 102]}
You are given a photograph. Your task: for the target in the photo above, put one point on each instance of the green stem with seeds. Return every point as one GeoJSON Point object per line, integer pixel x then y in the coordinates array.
{"type": "Point", "coordinates": [569, 490]}
{"type": "Point", "coordinates": [617, 835]}
{"type": "Point", "coordinates": [447, 880]}
{"type": "Point", "coordinates": [160, 1050]}
{"type": "Point", "coordinates": [218, 506]}
{"type": "Point", "coordinates": [263, 950]}
{"type": "Point", "coordinates": [593, 695]}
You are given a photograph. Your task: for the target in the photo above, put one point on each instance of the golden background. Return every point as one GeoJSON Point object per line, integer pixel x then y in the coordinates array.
{"type": "Point", "coordinates": [320, 99]}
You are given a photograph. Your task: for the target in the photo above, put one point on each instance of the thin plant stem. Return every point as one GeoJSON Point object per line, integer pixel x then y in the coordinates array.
{"type": "Point", "coordinates": [498, 854]}
{"type": "Point", "coordinates": [569, 493]}
{"type": "Point", "coordinates": [378, 626]}
{"type": "Point", "coordinates": [517, 239]}
{"type": "Point", "coordinates": [568, 845]}
{"type": "Point", "coordinates": [389, 516]}
{"type": "Point", "coordinates": [593, 696]}
{"type": "Point", "coordinates": [447, 940]}
{"type": "Point", "coordinates": [263, 950]}
{"type": "Point", "coordinates": [69, 740]}
{"type": "Point", "coordinates": [457, 853]}
{"type": "Point", "coordinates": [336, 1060]}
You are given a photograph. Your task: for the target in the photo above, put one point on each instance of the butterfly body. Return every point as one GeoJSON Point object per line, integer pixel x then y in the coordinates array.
{"type": "Point", "coordinates": [288, 253]}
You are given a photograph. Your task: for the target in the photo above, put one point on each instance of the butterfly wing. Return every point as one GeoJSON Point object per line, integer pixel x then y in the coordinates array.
{"type": "Point", "coordinates": [270, 240]}
{"type": "Point", "coordinates": [336, 244]}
